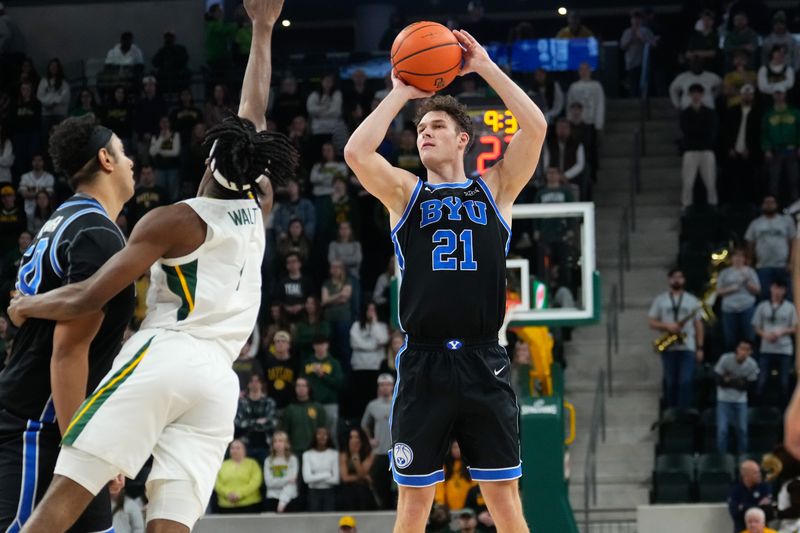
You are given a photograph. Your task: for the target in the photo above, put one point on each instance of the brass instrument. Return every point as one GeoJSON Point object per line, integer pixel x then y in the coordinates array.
{"type": "Point", "coordinates": [719, 260]}
{"type": "Point", "coordinates": [665, 341]}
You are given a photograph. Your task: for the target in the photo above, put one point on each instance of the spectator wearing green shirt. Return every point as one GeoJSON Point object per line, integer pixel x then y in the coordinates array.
{"type": "Point", "coordinates": [337, 295]}
{"type": "Point", "coordinates": [741, 36]}
{"type": "Point", "coordinates": [551, 233]}
{"type": "Point", "coordinates": [243, 37]}
{"type": "Point", "coordinates": [324, 374]}
{"type": "Point", "coordinates": [219, 35]}
{"type": "Point", "coordinates": [704, 41]}
{"type": "Point", "coordinates": [780, 140]}
{"type": "Point", "coordinates": [85, 104]}
{"type": "Point", "coordinates": [302, 417]}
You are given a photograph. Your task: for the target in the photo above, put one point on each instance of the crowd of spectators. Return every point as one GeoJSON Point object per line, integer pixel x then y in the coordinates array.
{"type": "Point", "coordinates": [317, 375]}
{"type": "Point", "coordinates": [740, 131]}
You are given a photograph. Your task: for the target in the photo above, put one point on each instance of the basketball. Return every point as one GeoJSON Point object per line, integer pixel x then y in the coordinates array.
{"type": "Point", "coordinates": [426, 55]}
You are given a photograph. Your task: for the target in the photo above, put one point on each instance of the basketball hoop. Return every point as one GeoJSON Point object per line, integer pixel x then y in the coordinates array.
{"type": "Point", "coordinates": [512, 301]}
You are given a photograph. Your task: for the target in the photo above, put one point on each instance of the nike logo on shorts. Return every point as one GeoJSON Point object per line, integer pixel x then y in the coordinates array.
{"type": "Point", "coordinates": [497, 372]}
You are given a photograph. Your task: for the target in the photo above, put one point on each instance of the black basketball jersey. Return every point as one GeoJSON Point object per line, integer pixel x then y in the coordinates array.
{"type": "Point", "coordinates": [72, 245]}
{"type": "Point", "coordinates": [451, 245]}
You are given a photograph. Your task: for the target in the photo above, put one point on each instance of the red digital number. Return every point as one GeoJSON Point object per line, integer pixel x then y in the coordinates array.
{"type": "Point", "coordinates": [492, 155]}
{"type": "Point", "coordinates": [496, 150]}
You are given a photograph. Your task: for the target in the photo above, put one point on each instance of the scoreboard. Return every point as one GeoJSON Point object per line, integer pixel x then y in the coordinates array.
{"type": "Point", "coordinates": [494, 128]}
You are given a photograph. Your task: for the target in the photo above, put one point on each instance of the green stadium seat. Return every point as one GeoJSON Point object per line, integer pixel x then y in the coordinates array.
{"type": "Point", "coordinates": [764, 427]}
{"type": "Point", "coordinates": [673, 478]}
{"type": "Point", "coordinates": [715, 475]}
{"type": "Point", "coordinates": [677, 433]}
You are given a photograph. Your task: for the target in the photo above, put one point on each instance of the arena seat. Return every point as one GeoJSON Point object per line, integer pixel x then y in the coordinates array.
{"type": "Point", "coordinates": [715, 474]}
{"type": "Point", "coordinates": [677, 430]}
{"type": "Point", "coordinates": [673, 478]}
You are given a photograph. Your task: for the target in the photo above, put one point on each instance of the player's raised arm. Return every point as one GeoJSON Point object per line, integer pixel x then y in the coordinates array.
{"type": "Point", "coordinates": [153, 237]}
{"type": "Point", "coordinates": [255, 86]}
{"type": "Point", "coordinates": [508, 177]}
{"type": "Point", "coordinates": [391, 185]}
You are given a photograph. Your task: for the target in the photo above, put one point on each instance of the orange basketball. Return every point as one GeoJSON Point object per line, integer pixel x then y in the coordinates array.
{"type": "Point", "coordinates": [426, 55]}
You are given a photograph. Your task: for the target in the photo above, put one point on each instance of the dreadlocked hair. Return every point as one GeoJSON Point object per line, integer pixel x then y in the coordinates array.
{"type": "Point", "coordinates": [243, 154]}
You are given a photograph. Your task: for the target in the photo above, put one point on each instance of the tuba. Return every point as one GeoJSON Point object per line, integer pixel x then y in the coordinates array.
{"type": "Point", "coordinates": [719, 260]}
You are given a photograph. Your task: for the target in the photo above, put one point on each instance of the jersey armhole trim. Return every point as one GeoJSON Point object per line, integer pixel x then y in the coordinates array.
{"type": "Point", "coordinates": [407, 212]}
{"type": "Point", "coordinates": [54, 263]}
{"type": "Point", "coordinates": [488, 192]}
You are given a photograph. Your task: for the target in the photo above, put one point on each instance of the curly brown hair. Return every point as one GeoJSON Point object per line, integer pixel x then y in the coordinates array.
{"type": "Point", "coordinates": [66, 146]}
{"type": "Point", "coordinates": [455, 109]}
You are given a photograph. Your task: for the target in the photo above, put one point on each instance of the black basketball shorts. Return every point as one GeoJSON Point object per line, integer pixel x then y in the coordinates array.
{"type": "Point", "coordinates": [454, 390]}
{"type": "Point", "coordinates": [28, 453]}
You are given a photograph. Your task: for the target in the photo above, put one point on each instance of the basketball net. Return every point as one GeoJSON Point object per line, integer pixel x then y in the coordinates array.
{"type": "Point", "coordinates": [512, 302]}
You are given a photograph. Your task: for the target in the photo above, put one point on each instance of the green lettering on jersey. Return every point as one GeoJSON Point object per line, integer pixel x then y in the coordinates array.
{"type": "Point", "coordinates": [244, 216]}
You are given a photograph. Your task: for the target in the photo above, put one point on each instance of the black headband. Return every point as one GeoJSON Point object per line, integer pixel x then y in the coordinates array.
{"type": "Point", "coordinates": [97, 140]}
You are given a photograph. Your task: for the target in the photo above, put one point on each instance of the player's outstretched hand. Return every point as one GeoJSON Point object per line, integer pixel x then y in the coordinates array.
{"type": "Point", "coordinates": [475, 56]}
{"type": "Point", "coordinates": [263, 11]}
{"type": "Point", "coordinates": [14, 311]}
{"type": "Point", "coordinates": [409, 91]}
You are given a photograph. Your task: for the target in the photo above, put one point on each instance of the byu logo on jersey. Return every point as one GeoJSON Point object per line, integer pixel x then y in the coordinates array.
{"type": "Point", "coordinates": [454, 344]}
{"type": "Point", "coordinates": [402, 455]}
{"type": "Point", "coordinates": [433, 210]}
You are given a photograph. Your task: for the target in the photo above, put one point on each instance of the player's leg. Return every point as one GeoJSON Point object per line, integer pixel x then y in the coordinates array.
{"type": "Point", "coordinates": [423, 411]}
{"type": "Point", "coordinates": [166, 526]}
{"type": "Point", "coordinates": [505, 506]}
{"type": "Point", "coordinates": [190, 450]}
{"type": "Point", "coordinates": [413, 507]}
{"type": "Point", "coordinates": [488, 433]}
{"type": "Point", "coordinates": [22, 477]}
{"type": "Point", "coordinates": [791, 423]}
{"type": "Point", "coordinates": [63, 503]}
{"type": "Point", "coordinates": [79, 477]}
{"type": "Point", "coordinates": [116, 428]}
{"type": "Point", "coordinates": [172, 503]}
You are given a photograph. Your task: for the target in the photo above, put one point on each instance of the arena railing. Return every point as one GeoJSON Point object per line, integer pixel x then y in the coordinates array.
{"type": "Point", "coordinates": [612, 337]}
{"type": "Point", "coordinates": [597, 431]}
{"type": "Point", "coordinates": [627, 224]}
{"type": "Point", "coordinates": [610, 525]}
{"type": "Point", "coordinates": [644, 94]}
{"type": "Point", "coordinates": [623, 254]}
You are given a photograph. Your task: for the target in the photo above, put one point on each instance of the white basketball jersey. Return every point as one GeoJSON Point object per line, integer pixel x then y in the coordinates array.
{"type": "Point", "coordinates": [213, 293]}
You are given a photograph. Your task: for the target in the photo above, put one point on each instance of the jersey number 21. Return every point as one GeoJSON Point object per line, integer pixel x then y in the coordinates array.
{"type": "Point", "coordinates": [445, 255]}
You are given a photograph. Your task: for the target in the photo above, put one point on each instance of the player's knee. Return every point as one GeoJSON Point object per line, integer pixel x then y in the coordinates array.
{"type": "Point", "coordinates": [166, 526]}
{"type": "Point", "coordinates": [413, 500]}
{"type": "Point", "coordinates": [173, 505]}
{"type": "Point", "coordinates": [504, 493]}
{"type": "Point", "coordinates": [84, 469]}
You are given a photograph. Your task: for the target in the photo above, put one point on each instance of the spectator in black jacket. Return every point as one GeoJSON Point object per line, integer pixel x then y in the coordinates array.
{"type": "Point", "coordinates": [118, 117]}
{"type": "Point", "coordinates": [149, 110]}
{"type": "Point", "coordinates": [749, 491]}
{"type": "Point", "coordinates": [146, 197]}
{"type": "Point", "coordinates": [171, 61]}
{"type": "Point", "coordinates": [13, 220]}
{"type": "Point", "coordinates": [699, 129]}
{"type": "Point", "coordinates": [26, 128]}
{"type": "Point", "coordinates": [741, 149]}
{"type": "Point", "coordinates": [565, 152]}
{"type": "Point", "coordinates": [185, 116]}
{"type": "Point", "coordinates": [288, 104]}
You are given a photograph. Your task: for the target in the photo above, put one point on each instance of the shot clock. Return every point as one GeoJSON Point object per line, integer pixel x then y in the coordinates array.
{"type": "Point", "coordinates": [494, 128]}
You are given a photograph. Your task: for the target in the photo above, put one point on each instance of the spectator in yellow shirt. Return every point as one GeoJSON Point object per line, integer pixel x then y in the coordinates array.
{"type": "Point", "coordinates": [574, 29]}
{"type": "Point", "coordinates": [457, 482]}
{"type": "Point", "coordinates": [239, 482]}
{"type": "Point", "coordinates": [756, 520]}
